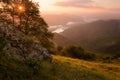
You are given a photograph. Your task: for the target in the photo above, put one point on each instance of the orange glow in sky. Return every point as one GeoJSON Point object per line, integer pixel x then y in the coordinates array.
{"type": "Point", "coordinates": [85, 8]}
{"type": "Point", "coordinates": [101, 6]}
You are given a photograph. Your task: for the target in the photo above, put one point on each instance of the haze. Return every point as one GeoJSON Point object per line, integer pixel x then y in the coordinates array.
{"type": "Point", "coordinates": [62, 12]}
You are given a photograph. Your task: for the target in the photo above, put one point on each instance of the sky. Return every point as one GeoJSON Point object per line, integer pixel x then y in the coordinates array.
{"type": "Point", "coordinates": [66, 6]}
{"type": "Point", "coordinates": [62, 12]}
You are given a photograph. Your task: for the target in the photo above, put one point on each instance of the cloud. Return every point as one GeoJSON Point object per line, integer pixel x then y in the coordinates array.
{"type": "Point", "coordinates": [61, 28]}
{"type": "Point", "coordinates": [70, 23]}
{"type": "Point", "coordinates": [76, 3]}
{"type": "Point", "coordinates": [57, 28]}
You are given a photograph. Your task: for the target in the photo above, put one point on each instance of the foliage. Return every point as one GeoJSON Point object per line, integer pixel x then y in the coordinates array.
{"type": "Point", "coordinates": [60, 69]}
{"type": "Point", "coordinates": [28, 20]}
{"type": "Point", "coordinates": [78, 52]}
{"type": "Point", "coordinates": [2, 42]}
{"type": "Point", "coordinates": [117, 55]}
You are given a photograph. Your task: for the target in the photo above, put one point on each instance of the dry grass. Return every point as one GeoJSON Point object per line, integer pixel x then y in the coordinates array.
{"type": "Point", "coordinates": [109, 70]}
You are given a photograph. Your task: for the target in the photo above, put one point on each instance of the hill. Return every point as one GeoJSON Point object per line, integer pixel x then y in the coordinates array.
{"type": "Point", "coordinates": [61, 68]}
{"type": "Point", "coordinates": [99, 36]}
{"type": "Point", "coordinates": [61, 40]}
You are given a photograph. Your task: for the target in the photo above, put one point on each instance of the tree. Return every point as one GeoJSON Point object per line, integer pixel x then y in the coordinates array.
{"type": "Point", "coordinates": [73, 51]}
{"type": "Point", "coordinates": [25, 15]}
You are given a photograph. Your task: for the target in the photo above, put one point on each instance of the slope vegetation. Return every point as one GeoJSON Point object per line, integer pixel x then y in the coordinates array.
{"type": "Point", "coordinates": [61, 68]}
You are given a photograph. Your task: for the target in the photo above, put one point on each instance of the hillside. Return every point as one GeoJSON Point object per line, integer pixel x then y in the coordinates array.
{"type": "Point", "coordinates": [99, 36]}
{"type": "Point", "coordinates": [61, 68]}
{"type": "Point", "coordinates": [61, 40]}
{"type": "Point", "coordinates": [86, 70]}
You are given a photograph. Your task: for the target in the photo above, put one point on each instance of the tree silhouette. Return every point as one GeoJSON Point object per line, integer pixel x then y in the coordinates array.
{"type": "Point", "coordinates": [25, 15]}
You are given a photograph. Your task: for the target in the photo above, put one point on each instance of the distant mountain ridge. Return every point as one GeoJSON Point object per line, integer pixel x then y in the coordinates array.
{"type": "Point", "coordinates": [99, 36]}
{"type": "Point", "coordinates": [61, 40]}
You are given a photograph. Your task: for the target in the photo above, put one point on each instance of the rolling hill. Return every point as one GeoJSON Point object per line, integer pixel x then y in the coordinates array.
{"type": "Point", "coordinates": [99, 36]}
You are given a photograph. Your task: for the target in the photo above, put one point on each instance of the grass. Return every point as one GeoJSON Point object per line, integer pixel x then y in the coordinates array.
{"type": "Point", "coordinates": [61, 68]}
{"type": "Point", "coordinates": [85, 70]}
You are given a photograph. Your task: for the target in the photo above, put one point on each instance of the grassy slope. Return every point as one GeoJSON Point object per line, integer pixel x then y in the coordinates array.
{"type": "Point", "coordinates": [86, 70]}
{"type": "Point", "coordinates": [61, 68]}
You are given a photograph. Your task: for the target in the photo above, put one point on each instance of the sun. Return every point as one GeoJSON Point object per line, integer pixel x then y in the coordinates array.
{"type": "Point", "coordinates": [21, 8]}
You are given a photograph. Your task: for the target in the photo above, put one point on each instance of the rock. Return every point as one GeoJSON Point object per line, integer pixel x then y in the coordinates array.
{"type": "Point", "coordinates": [18, 46]}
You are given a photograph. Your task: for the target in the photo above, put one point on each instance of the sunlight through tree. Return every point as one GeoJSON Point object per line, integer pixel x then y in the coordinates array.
{"type": "Point", "coordinates": [25, 15]}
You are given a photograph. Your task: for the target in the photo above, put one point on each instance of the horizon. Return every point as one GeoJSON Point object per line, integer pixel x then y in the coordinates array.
{"type": "Point", "coordinates": [80, 10]}
{"type": "Point", "coordinates": [62, 12]}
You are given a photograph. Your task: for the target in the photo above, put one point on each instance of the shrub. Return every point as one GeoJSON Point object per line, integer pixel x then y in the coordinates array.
{"type": "Point", "coordinates": [72, 51]}
{"type": "Point", "coordinates": [78, 52]}
{"type": "Point", "coordinates": [89, 56]}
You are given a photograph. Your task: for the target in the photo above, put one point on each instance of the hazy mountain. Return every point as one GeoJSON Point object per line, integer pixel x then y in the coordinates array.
{"type": "Point", "coordinates": [61, 40]}
{"type": "Point", "coordinates": [99, 36]}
